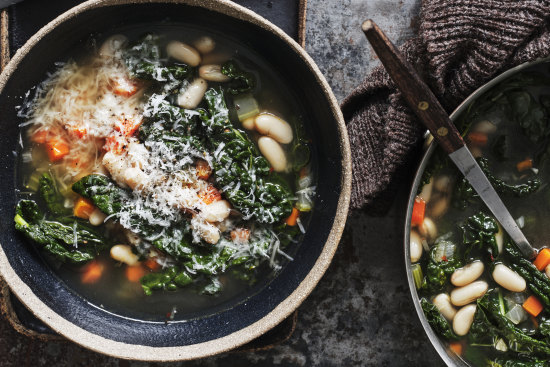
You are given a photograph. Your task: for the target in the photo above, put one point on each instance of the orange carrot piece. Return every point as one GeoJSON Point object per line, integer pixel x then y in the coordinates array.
{"type": "Point", "coordinates": [40, 136]}
{"type": "Point", "coordinates": [209, 195]}
{"type": "Point", "coordinates": [83, 208]}
{"type": "Point", "coordinates": [128, 127]}
{"type": "Point", "coordinates": [125, 87]}
{"type": "Point", "coordinates": [533, 306]}
{"type": "Point", "coordinates": [419, 209]}
{"type": "Point", "coordinates": [477, 138]}
{"type": "Point", "coordinates": [57, 149]}
{"type": "Point", "coordinates": [525, 165]}
{"type": "Point", "coordinates": [203, 169]}
{"type": "Point", "coordinates": [135, 273]}
{"type": "Point", "coordinates": [151, 263]}
{"type": "Point", "coordinates": [543, 259]}
{"type": "Point", "coordinates": [240, 235]}
{"type": "Point", "coordinates": [293, 217]}
{"type": "Point", "coordinates": [92, 272]}
{"type": "Point", "coordinates": [456, 347]}
{"type": "Point", "coordinates": [78, 131]}
{"type": "Point", "coordinates": [115, 143]}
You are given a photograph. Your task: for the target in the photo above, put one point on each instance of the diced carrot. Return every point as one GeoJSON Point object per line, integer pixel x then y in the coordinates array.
{"type": "Point", "coordinates": [92, 272]}
{"type": "Point", "coordinates": [83, 208]}
{"type": "Point", "coordinates": [135, 273]}
{"type": "Point", "coordinates": [210, 194]}
{"type": "Point", "coordinates": [57, 148]}
{"type": "Point", "coordinates": [525, 165]}
{"type": "Point", "coordinates": [456, 347]}
{"type": "Point", "coordinates": [203, 169]}
{"type": "Point", "coordinates": [477, 138]}
{"type": "Point", "coordinates": [419, 209]}
{"type": "Point", "coordinates": [543, 259]}
{"type": "Point", "coordinates": [77, 131]}
{"type": "Point", "coordinates": [128, 127]}
{"type": "Point", "coordinates": [125, 87]}
{"type": "Point", "coordinates": [40, 136]}
{"type": "Point", "coordinates": [151, 263]}
{"type": "Point", "coordinates": [533, 306]}
{"type": "Point", "coordinates": [291, 220]}
{"type": "Point", "coordinates": [240, 235]}
{"type": "Point", "coordinates": [115, 143]}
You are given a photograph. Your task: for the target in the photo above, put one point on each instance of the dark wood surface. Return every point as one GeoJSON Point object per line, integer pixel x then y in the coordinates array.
{"type": "Point", "coordinates": [416, 93]}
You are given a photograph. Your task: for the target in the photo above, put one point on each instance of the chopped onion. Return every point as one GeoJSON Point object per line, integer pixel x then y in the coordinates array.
{"type": "Point", "coordinates": [516, 314]}
{"type": "Point", "coordinates": [500, 345]}
{"type": "Point", "coordinates": [521, 221]}
{"type": "Point", "coordinates": [246, 106]}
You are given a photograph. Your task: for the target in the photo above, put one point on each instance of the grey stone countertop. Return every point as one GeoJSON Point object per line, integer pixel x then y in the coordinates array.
{"type": "Point", "coordinates": [361, 313]}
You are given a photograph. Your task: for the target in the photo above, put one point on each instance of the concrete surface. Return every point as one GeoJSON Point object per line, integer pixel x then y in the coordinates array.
{"type": "Point", "coordinates": [361, 313]}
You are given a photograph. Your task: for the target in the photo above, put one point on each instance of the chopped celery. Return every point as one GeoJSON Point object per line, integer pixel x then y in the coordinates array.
{"type": "Point", "coordinates": [246, 106]}
{"type": "Point", "coordinates": [32, 183]}
{"type": "Point", "coordinates": [418, 276]}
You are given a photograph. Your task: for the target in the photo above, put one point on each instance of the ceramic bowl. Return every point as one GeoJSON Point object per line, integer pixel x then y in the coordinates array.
{"type": "Point", "coordinates": [239, 320]}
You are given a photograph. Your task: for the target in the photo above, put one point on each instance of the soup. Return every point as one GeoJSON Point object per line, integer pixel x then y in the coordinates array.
{"type": "Point", "coordinates": [488, 304]}
{"type": "Point", "coordinates": [163, 175]}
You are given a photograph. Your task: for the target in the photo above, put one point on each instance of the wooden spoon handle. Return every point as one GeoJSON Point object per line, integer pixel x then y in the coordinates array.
{"type": "Point", "coordinates": [418, 95]}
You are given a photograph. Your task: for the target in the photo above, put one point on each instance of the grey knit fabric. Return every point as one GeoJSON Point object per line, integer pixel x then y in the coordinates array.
{"type": "Point", "coordinates": [460, 46]}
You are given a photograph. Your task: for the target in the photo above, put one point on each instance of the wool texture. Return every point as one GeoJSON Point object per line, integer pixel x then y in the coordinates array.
{"type": "Point", "coordinates": [460, 46]}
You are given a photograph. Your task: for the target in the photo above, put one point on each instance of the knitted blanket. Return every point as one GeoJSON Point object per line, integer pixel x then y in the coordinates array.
{"type": "Point", "coordinates": [460, 46]}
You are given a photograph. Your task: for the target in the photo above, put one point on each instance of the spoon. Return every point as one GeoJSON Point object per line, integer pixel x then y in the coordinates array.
{"type": "Point", "coordinates": [427, 108]}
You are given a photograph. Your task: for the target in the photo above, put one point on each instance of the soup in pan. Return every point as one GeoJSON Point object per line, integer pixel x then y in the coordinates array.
{"type": "Point", "coordinates": [487, 302]}
{"type": "Point", "coordinates": [163, 174]}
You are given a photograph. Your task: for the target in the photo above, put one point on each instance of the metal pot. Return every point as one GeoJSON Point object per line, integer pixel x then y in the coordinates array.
{"type": "Point", "coordinates": [450, 358]}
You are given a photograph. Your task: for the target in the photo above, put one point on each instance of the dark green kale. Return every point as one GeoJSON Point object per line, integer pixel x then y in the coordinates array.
{"type": "Point", "coordinates": [525, 361]}
{"type": "Point", "coordinates": [440, 267]}
{"type": "Point", "coordinates": [51, 196]}
{"type": "Point", "coordinates": [490, 304]}
{"type": "Point", "coordinates": [536, 280]}
{"type": "Point", "coordinates": [145, 60]}
{"type": "Point", "coordinates": [103, 192]}
{"type": "Point", "coordinates": [241, 81]}
{"type": "Point", "coordinates": [479, 232]}
{"type": "Point", "coordinates": [438, 323]}
{"type": "Point", "coordinates": [240, 169]}
{"type": "Point", "coordinates": [169, 279]}
{"type": "Point", "coordinates": [73, 242]}
{"type": "Point", "coordinates": [464, 194]}
{"type": "Point", "coordinates": [531, 115]}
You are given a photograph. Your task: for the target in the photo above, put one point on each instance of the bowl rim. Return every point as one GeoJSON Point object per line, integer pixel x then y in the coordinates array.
{"type": "Point", "coordinates": [279, 312]}
{"type": "Point", "coordinates": [432, 336]}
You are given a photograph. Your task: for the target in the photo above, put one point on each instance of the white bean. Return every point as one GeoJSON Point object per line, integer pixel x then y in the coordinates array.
{"type": "Point", "coordinates": [440, 207]}
{"type": "Point", "coordinates": [208, 232]}
{"type": "Point", "coordinates": [123, 253]}
{"type": "Point", "coordinates": [216, 211]}
{"type": "Point", "coordinates": [463, 320]}
{"type": "Point", "coordinates": [273, 152]}
{"type": "Point", "coordinates": [183, 52]}
{"type": "Point", "coordinates": [213, 73]}
{"type": "Point", "coordinates": [509, 279]}
{"type": "Point", "coordinates": [192, 96]}
{"type": "Point", "coordinates": [442, 183]}
{"type": "Point", "coordinates": [428, 229]}
{"type": "Point", "coordinates": [426, 192]}
{"type": "Point", "coordinates": [274, 127]}
{"type": "Point", "coordinates": [248, 123]}
{"type": "Point", "coordinates": [204, 44]}
{"type": "Point", "coordinates": [467, 274]}
{"type": "Point", "coordinates": [443, 304]}
{"type": "Point", "coordinates": [469, 293]}
{"type": "Point", "coordinates": [485, 126]}
{"type": "Point", "coordinates": [112, 45]}
{"type": "Point", "coordinates": [415, 246]}
{"type": "Point", "coordinates": [135, 178]}
{"type": "Point", "coordinates": [97, 217]}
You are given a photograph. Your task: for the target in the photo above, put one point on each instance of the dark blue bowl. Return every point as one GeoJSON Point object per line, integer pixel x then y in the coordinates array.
{"type": "Point", "coordinates": [237, 321]}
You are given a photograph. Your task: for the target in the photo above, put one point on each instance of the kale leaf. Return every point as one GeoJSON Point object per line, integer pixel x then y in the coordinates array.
{"type": "Point", "coordinates": [440, 268]}
{"type": "Point", "coordinates": [73, 242]}
{"type": "Point", "coordinates": [438, 323]}
{"type": "Point", "coordinates": [464, 194]}
{"type": "Point", "coordinates": [240, 169]}
{"type": "Point", "coordinates": [51, 196]}
{"type": "Point", "coordinates": [479, 232]}
{"type": "Point", "coordinates": [241, 81]}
